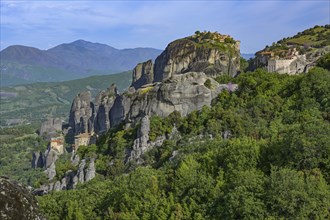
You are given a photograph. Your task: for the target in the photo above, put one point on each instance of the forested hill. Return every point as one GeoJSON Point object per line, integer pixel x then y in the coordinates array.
{"type": "Point", "coordinates": [260, 152]}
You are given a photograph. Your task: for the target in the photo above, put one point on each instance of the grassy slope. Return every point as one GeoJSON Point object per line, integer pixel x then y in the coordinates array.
{"type": "Point", "coordinates": [313, 36]}
{"type": "Point", "coordinates": [34, 102]}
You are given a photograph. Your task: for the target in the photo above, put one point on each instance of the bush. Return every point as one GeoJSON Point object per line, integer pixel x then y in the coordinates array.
{"type": "Point", "coordinates": [208, 83]}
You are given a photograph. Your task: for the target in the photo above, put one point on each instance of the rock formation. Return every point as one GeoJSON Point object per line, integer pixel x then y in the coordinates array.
{"type": "Point", "coordinates": [70, 179]}
{"type": "Point", "coordinates": [90, 171]}
{"type": "Point", "coordinates": [50, 127]}
{"type": "Point", "coordinates": [50, 157]}
{"type": "Point", "coordinates": [183, 93]}
{"type": "Point", "coordinates": [37, 160]}
{"type": "Point", "coordinates": [182, 79]}
{"type": "Point", "coordinates": [103, 103]}
{"type": "Point", "coordinates": [81, 114]}
{"type": "Point", "coordinates": [184, 55]}
{"type": "Point", "coordinates": [143, 74]}
{"type": "Point", "coordinates": [16, 202]}
{"type": "Point", "coordinates": [175, 82]}
{"type": "Point", "coordinates": [142, 143]}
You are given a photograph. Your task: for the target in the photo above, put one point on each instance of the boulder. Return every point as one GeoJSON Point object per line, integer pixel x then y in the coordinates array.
{"type": "Point", "coordinates": [16, 202]}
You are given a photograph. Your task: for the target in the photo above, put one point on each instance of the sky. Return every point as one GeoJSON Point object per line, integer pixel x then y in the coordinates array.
{"type": "Point", "coordinates": [131, 24]}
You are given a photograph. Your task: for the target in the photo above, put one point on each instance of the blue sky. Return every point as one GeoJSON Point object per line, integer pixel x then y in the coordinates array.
{"type": "Point", "coordinates": [130, 24]}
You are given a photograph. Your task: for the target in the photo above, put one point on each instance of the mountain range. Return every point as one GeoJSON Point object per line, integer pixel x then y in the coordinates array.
{"type": "Point", "coordinates": [23, 64]}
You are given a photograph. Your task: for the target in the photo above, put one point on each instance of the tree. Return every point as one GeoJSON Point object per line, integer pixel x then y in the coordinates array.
{"type": "Point", "coordinates": [297, 195]}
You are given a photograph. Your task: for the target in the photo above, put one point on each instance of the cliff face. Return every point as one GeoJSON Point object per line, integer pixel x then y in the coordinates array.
{"type": "Point", "coordinates": [82, 109]}
{"type": "Point", "coordinates": [184, 93]}
{"type": "Point", "coordinates": [184, 56]}
{"type": "Point", "coordinates": [87, 116]}
{"type": "Point", "coordinates": [143, 74]}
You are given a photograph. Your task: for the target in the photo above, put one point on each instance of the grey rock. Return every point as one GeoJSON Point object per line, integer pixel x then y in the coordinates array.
{"type": "Point", "coordinates": [37, 160]}
{"type": "Point", "coordinates": [69, 179]}
{"type": "Point", "coordinates": [182, 56]}
{"type": "Point", "coordinates": [184, 93]}
{"type": "Point", "coordinates": [226, 134]}
{"type": "Point", "coordinates": [80, 173]}
{"type": "Point", "coordinates": [142, 143]}
{"type": "Point", "coordinates": [103, 104]}
{"type": "Point", "coordinates": [75, 159]}
{"type": "Point", "coordinates": [16, 202]}
{"type": "Point", "coordinates": [81, 114]}
{"type": "Point", "coordinates": [174, 154]}
{"type": "Point", "coordinates": [63, 183]}
{"type": "Point", "coordinates": [90, 171]}
{"type": "Point", "coordinates": [51, 125]}
{"type": "Point", "coordinates": [175, 134]}
{"type": "Point", "coordinates": [57, 186]}
{"type": "Point", "coordinates": [143, 74]}
{"type": "Point", "coordinates": [50, 157]}
{"type": "Point", "coordinates": [51, 171]}
{"type": "Point", "coordinates": [75, 181]}
{"type": "Point", "coordinates": [50, 187]}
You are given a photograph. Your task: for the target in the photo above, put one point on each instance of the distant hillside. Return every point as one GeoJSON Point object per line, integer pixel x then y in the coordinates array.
{"type": "Point", "coordinates": [22, 64]}
{"type": "Point", "coordinates": [34, 102]}
{"type": "Point", "coordinates": [247, 56]}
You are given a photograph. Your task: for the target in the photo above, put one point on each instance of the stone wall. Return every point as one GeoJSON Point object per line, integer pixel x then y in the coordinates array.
{"type": "Point", "coordinates": [288, 66]}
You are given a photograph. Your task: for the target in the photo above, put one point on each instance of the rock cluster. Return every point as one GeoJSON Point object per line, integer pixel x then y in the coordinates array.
{"type": "Point", "coordinates": [181, 79]}
{"type": "Point", "coordinates": [71, 178]}
{"type": "Point", "coordinates": [87, 116]}
{"type": "Point", "coordinates": [175, 82]}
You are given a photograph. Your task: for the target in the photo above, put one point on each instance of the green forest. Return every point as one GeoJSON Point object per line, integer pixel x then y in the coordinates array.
{"type": "Point", "coordinates": [260, 152]}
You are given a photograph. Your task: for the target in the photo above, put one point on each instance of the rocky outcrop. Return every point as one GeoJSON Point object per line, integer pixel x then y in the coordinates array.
{"type": "Point", "coordinates": [88, 117]}
{"type": "Point", "coordinates": [51, 125]}
{"type": "Point", "coordinates": [143, 74]}
{"type": "Point", "coordinates": [80, 173]}
{"type": "Point", "coordinates": [183, 93]}
{"type": "Point", "coordinates": [16, 202]}
{"type": "Point", "coordinates": [103, 104]}
{"type": "Point", "coordinates": [37, 160]}
{"type": "Point", "coordinates": [174, 83]}
{"type": "Point", "coordinates": [70, 179]}
{"type": "Point", "coordinates": [81, 114]}
{"type": "Point", "coordinates": [51, 171]}
{"type": "Point", "coordinates": [141, 143]}
{"type": "Point", "coordinates": [50, 157]}
{"type": "Point", "coordinates": [184, 55]}
{"type": "Point", "coordinates": [90, 171]}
